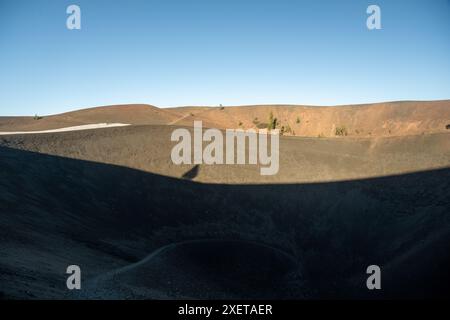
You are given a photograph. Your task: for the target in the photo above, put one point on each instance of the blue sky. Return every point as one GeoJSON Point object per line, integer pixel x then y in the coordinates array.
{"type": "Point", "coordinates": [233, 52]}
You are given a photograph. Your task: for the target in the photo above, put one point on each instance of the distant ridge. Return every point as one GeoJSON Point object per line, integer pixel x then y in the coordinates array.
{"type": "Point", "coordinates": [365, 120]}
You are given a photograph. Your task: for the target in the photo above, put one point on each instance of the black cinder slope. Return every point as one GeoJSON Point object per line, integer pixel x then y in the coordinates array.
{"type": "Point", "coordinates": [56, 211]}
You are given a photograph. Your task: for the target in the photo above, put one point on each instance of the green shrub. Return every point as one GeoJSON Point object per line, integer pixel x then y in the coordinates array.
{"type": "Point", "coordinates": [287, 129]}
{"type": "Point", "coordinates": [341, 131]}
{"type": "Point", "coordinates": [262, 125]}
{"type": "Point", "coordinates": [273, 122]}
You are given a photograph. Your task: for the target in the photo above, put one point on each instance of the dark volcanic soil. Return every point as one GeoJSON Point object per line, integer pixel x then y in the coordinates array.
{"type": "Point", "coordinates": [205, 269]}
{"type": "Point", "coordinates": [58, 210]}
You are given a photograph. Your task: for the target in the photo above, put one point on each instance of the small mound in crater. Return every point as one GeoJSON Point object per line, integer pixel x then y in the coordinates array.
{"type": "Point", "coordinates": [205, 269]}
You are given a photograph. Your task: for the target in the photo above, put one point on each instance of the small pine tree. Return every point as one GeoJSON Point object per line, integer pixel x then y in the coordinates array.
{"type": "Point", "coordinates": [341, 131]}
{"type": "Point", "coordinates": [271, 121]}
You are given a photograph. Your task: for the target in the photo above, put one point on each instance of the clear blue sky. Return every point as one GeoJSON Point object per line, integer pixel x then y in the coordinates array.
{"type": "Point", "coordinates": [211, 52]}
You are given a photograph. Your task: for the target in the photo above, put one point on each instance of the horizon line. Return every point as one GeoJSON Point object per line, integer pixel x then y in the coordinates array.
{"type": "Point", "coordinates": [234, 106]}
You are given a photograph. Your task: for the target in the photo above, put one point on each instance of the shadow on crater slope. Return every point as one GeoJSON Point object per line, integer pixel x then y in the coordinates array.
{"type": "Point", "coordinates": [205, 269]}
{"type": "Point", "coordinates": [56, 211]}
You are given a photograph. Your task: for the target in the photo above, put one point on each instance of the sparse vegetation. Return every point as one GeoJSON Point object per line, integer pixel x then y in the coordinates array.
{"type": "Point", "coordinates": [321, 135]}
{"type": "Point", "coordinates": [287, 129]}
{"type": "Point", "coordinates": [255, 121]}
{"type": "Point", "coordinates": [298, 120]}
{"type": "Point", "coordinates": [221, 107]}
{"type": "Point", "coordinates": [262, 125]}
{"type": "Point", "coordinates": [447, 127]}
{"type": "Point", "coordinates": [240, 123]}
{"type": "Point", "coordinates": [341, 131]}
{"type": "Point", "coordinates": [191, 114]}
{"type": "Point", "coordinates": [273, 122]}
{"type": "Point", "coordinates": [36, 117]}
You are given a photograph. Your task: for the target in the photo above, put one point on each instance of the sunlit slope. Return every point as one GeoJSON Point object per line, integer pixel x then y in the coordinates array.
{"type": "Point", "coordinates": [379, 119]}
{"type": "Point", "coordinates": [148, 148]}
{"type": "Point", "coordinates": [130, 114]}
{"type": "Point", "coordinates": [370, 120]}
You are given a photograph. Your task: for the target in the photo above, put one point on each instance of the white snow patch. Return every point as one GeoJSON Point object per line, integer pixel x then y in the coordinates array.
{"type": "Point", "coordinates": [74, 128]}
